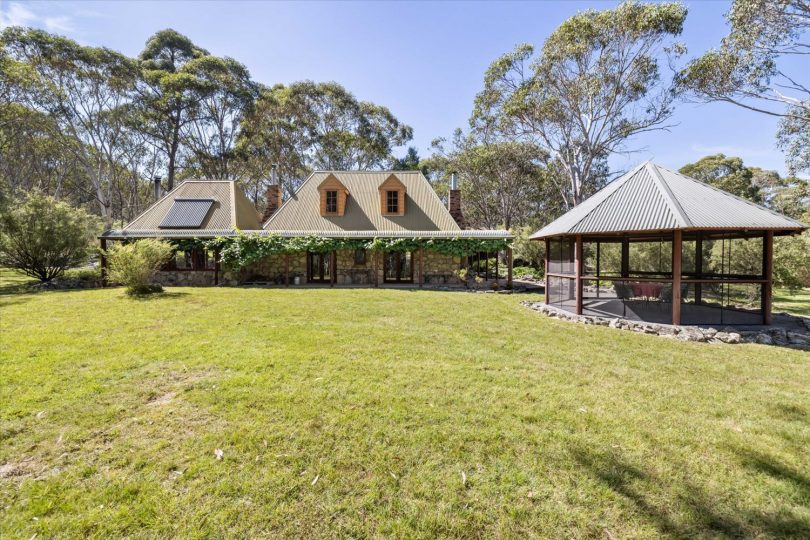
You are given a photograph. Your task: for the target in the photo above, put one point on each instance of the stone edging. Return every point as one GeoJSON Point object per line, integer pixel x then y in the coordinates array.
{"type": "Point", "coordinates": [771, 336]}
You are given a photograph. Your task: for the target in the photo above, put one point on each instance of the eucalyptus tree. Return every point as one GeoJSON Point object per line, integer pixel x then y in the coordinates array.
{"type": "Point", "coordinates": [502, 181]}
{"type": "Point", "coordinates": [87, 93]}
{"type": "Point", "coordinates": [596, 82]}
{"type": "Point", "coordinates": [169, 92]}
{"type": "Point", "coordinates": [746, 70]}
{"type": "Point", "coordinates": [211, 134]}
{"type": "Point", "coordinates": [307, 125]}
{"type": "Point", "coordinates": [758, 66]}
{"type": "Point", "coordinates": [727, 173]}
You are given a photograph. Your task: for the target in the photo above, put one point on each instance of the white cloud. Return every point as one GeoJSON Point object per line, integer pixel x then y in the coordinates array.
{"type": "Point", "coordinates": [58, 24]}
{"type": "Point", "coordinates": [17, 14]}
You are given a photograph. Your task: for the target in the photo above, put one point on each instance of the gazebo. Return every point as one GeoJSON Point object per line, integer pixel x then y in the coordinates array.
{"type": "Point", "coordinates": [661, 247]}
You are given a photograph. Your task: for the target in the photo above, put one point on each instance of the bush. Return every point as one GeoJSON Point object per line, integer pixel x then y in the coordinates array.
{"type": "Point", "coordinates": [83, 274]}
{"type": "Point", "coordinates": [134, 265]}
{"type": "Point", "coordinates": [42, 237]}
{"type": "Point", "coordinates": [523, 271]}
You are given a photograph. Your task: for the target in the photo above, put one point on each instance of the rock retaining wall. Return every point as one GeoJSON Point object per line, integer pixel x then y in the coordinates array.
{"type": "Point", "coordinates": [797, 336]}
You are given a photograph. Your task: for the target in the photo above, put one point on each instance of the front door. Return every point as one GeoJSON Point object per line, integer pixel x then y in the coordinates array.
{"type": "Point", "coordinates": [398, 267]}
{"type": "Point", "coordinates": [319, 267]}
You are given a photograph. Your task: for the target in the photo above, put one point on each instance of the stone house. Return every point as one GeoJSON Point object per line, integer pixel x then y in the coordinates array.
{"type": "Point", "coordinates": [346, 205]}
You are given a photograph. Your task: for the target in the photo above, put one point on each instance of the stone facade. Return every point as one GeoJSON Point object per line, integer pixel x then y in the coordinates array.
{"type": "Point", "coordinates": [193, 278]}
{"type": "Point", "coordinates": [439, 271]}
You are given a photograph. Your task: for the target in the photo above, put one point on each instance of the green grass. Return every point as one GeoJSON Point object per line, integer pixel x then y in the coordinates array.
{"type": "Point", "coordinates": [797, 302]}
{"type": "Point", "coordinates": [385, 413]}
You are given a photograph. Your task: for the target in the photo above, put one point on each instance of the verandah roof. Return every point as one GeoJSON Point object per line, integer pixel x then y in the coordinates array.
{"type": "Point", "coordinates": [652, 198]}
{"type": "Point", "coordinates": [209, 233]}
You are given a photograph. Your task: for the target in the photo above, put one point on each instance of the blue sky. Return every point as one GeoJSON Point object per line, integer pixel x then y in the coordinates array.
{"type": "Point", "coordinates": [423, 60]}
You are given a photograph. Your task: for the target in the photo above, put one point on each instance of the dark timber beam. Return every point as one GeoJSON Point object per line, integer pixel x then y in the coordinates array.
{"type": "Point", "coordinates": [767, 271]}
{"type": "Point", "coordinates": [625, 257]}
{"type": "Point", "coordinates": [676, 276]}
{"type": "Point", "coordinates": [699, 267]}
{"type": "Point", "coordinates": [578, 272]}
{"type": "Point", "coordinates": [103, 243]}
{"type": "Point", "coordinates": [546, 287]}
{"type": "Point", "coordinates": [333, 273]}
{"type": "Point", "coordinates": [509, 267]}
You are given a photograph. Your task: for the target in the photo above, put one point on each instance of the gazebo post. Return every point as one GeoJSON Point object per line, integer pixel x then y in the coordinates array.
{"type": "Point", "coordinates": [103, 242]}
{"type": "Point", "coordinates": [421, 267]}
{"type": "Point", "coordinates": [699, 267]}
{"type": "Point", "coordinates": [578, 272]}
{"type": "Point", "coordinates": [767, 271]}
{"type": "Point", "coordinates": [545, 287]}
{"type": "Point", "coordinates": [333, 256]}
{"type": "Point", "coordinates": [509, 268]}
{"type": "Point", "coordinates": [216, 267]}
{"type": "Point", "coordinates": [677, 254]}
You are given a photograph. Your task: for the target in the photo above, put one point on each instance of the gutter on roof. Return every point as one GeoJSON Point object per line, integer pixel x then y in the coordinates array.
{"type": "Point", "coordinates": [197, 233]}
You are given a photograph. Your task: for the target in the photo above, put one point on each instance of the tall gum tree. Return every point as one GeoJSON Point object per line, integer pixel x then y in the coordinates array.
{"type": "Point", "coordinates": [87, 92]}
{"type": "Point", "coordinates": [169, 92]}
{"type": "Point", "coordinates": [758, 66]}
{"type": "Point", "coordinates": [596, 83]}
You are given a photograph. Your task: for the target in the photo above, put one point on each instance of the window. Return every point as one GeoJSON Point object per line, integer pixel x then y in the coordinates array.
{"type": "Point", "coordinates": [392, 202]}
{"type": "Point", "coordinates": [359, 257]}
{"type": "Point", "coordinates": [331, 202]}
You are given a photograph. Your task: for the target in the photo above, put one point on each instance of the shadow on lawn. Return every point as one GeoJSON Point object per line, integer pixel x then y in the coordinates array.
{"type": "Point", "coordinates": [688, 510]}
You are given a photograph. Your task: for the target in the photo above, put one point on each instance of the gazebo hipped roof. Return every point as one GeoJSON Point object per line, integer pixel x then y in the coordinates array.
{"type": "Point", "coordinates": [651, 198]}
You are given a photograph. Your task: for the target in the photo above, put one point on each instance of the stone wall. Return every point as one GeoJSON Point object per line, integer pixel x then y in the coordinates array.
{"type": "Point", "coordinates": [788, 330]}
{"type": "Point", "coordinates": [439, 271]}
{"type": "Point", "coordinates": [193, 278]}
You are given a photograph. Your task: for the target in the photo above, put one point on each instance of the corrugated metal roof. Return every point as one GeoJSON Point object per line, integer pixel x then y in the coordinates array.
{"type": "Point", "coordinates": [231, 209]}
{"type": "Point", "coordinates": [423, 209]}
{"type": "Point", "coordinates": [210, 233]}
{"type": "Point", "coordinates": [186, 214]}
{"type": "Point", "coordinates": [653, 198]}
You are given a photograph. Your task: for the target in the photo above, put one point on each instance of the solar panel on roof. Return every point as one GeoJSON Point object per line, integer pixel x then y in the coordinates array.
{"type": "Point", "coordinates": [186, 214]}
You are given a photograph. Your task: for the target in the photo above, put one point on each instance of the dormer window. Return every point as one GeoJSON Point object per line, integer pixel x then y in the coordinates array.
{"type": "Point", "coordinates": [392, 202]}
{"type": "Point", "coordinates": [392, 197]}
{"type": "Point", "coordinates": [333, 196]}
{"type": "Point", "coordinates": [331, 202]}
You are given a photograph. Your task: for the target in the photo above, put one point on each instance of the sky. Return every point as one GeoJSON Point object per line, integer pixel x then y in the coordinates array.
{"type": "Point", "coordinates": [425, 61]}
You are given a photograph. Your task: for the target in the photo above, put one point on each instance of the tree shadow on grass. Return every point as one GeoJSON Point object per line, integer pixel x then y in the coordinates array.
{"type": "Point", "coordinates": [154, 297]}
{"type": "Point", "coordinates": [688, 510]}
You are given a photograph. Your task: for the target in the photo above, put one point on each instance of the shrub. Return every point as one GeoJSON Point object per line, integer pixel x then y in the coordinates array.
{"type": "Point", "coordinates": [523, 271]}
{"type": "Point", "coordinates": [134, 265]}
{"type": "Point", "coordinates": [42, 237]}
{"type": "Point", "coordinates": [83, 274]}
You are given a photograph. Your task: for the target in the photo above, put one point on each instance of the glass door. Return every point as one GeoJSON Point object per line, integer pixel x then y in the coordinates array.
{"type": "Point", "coordinates": [319, 267]}
{"type": "Point", "coordinates": [398, 267]}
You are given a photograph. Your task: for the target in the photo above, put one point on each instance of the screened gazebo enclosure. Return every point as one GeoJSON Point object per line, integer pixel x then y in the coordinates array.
{"type": "Point", "coordinates": [660, 247]}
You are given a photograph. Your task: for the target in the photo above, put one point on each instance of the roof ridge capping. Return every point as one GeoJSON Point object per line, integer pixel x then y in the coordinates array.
{"type": "Point", "coordinates": [669, 197]}
{"type": "Point", "coordinates": [583, 209]}
{"type": "Point", "coordinates": [690, 208]}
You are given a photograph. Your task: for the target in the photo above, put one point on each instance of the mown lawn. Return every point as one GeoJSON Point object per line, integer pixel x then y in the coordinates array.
{"type": "Point", "coordinates": [797, 302]}
{"type": "Point", "coordinates": [356, 413]}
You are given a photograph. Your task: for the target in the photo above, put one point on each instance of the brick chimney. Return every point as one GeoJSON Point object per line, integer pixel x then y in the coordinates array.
{"type": "Point", "coordinates": [454, 202]}
{"type": "Point", "coordinates": [274, 196]}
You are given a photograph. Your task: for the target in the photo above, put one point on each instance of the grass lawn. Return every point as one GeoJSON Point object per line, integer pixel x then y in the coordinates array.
{"type": "Point", "coordinates": [385, 413]}
{"type": "Point", "coordinates": [797, 302]}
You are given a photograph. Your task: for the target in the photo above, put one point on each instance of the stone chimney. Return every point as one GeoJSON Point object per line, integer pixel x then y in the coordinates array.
{"type": "Point", "coordinates": [274, 196]}
{"type": "Point", "coordinates": [454, 202]}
